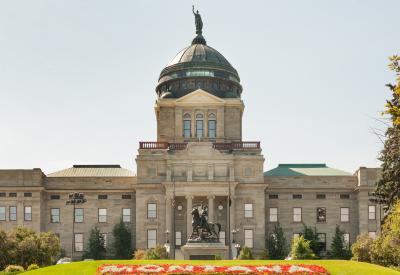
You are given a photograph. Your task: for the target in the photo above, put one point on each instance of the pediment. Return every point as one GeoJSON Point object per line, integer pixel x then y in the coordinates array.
{"type": "Point", "coordinates": [200, 97]}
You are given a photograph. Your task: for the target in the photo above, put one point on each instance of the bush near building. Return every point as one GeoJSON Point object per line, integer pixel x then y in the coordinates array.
{"type": "Point", "coordinates": [339, 248]}
{"type": "Point", "coordinates": [122, 245]}
{"type": "Point", "coordinates": [361, 249]}
{"type": "Point", "coordinates": [245, 254]}
{"type": "Point", "coordinates": [276, 244]}
{"type": "Point", "coordinates": [301, 249]}
{"type": "Point", "coordinates": [96, 248]}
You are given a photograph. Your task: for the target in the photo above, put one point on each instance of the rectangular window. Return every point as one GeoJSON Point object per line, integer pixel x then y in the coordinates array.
{"type": "Point", "coordinates": [178, 238]}
{"type": "Point", "coordinates": [273, 214]}
{"type": "Point", "coordinates": [372, 234]}
{"type": "Point", "coordinates": [126, 214]}
{"type": "Point", "coordinates": [297, 214]}
{"type": "Point", "coordinates": [344, 214]}
{"type": "Point", "coordinates": [12, 195]}
{"type": "Point", "coordinates": [126, 197]}
{"type": "Point", "coordinates": [346, 238]}
{"type": "Point", "coordinates": [199, 128]}
{"type": "Point", "coordinates": [187, 128]}
{"type": "Point", "coordinates": [2, 213]}
{"type": "Point", "coordinates": [371, 212]}
{"type": "Point", "coordinates": [78, 241]}
{"type": "Point", "coordinates": [248, 238]}
{"type": "Point", "coordinates": [248, 210]}
{"type": "Point", "coordinates": [2, 195]}
{"type": "Point", "coordinates": [222, 237]}
{"type": "Point", "coordinates": [345, 196]}
{"type": "Point", "coordinates": [55, 215]}
{"type": "Point", "coordinates": [151, 238]}
{"type": "Point", "coordinates": [54, 197]}
{"type": "Point", "coordinates": [321, 242]}
{"type": "Point", "coordinates": [297, 196]}
{"type": "Point", "coordinates": [102, 215]}
{"type": "Point", "coordinates": [27, 195]}
{"type": "Point", "coordinates": [212, 128]}
{"type": "Point", "coordinates": [151, 210]}
{"type": "Point", "coordinates": [321, 214]}
{"type": "Point", "coordinates": [78, 215]}
{"type": "Point", "coordinates": [102, 197]}
{"type": "Point", "coordinates": [13, 213]}
{"type": "Point", "coordinates": [104, 235]}
{"type": "Point", "coordinates": [321, 196]}
{"type": "Point", "coordinates": [273, 196]}
{"type": "Point", "coordinates": [28, 213]}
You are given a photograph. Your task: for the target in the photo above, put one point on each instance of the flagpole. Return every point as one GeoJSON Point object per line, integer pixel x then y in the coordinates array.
{"type": "Point", "coordinates": [229, 220]}
{"type": "Point", "coordinates": [173, 234]}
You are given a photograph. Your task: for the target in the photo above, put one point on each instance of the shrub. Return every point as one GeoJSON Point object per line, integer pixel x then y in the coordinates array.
{"type": "Point", "coordinates": [7, 250]}
{"type": "Point", "coordinates": [96, 247]}
{"type": "Point", "coordinates": [139, 254]}
{"type": "Point", "coordinates": [122, 245]}
{"type": "Point", "coordinates": [339, 248]}
{"type": "Point", "coordinates": [14, 269]}
{"type": "Point", "coordinates": [301, 249]}
{"type": "Point", "coordinates": [276, 245]}
{"type": "Point", "coordinates": [245, 254]}
{"type": "Point", "coordinates": [311, 234]}
{"type": "Point", "coordinates": [361, 249]}
{"type": "Point", "coordinates": [32, 267]}
{"type": "Point", "coordinates": [157, 253]}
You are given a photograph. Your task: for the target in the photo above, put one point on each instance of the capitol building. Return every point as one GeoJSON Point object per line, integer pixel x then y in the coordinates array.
{"type": "Point", "coordinates": [198, 156]}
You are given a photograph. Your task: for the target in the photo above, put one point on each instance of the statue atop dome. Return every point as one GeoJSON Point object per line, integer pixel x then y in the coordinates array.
{"type": "Point", "coordinates": [198, 21]}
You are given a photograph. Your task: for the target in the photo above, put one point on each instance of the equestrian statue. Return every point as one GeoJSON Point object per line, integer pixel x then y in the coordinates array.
{"type": "Point", "coordinates": [203, 231]}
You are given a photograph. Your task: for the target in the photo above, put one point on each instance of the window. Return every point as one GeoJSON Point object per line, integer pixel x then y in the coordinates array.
{"type": "Point", "coordinates": [297, 214]}
{"type": "Point", "coordinates": [27, 195]}
{"type": "Point", "coordinates": [187, 126]}
{"type": "Point", "coordinates": [102, 215]}
{"type": "Point", "coordinates": [126, 214]}
{"type": "Point", "coordinates": [28, 213]}
{"type": "Point", "coordinates": [297, 196]}
{"type": "Point", "coordinates": [78, 240]}
{"type": "Point", "coordinates": [248, 172]}
{"type": "Point", "coordinates": [2, 195]}
{"type": "Point", "coordinates": [13, 195]}
{"type": "Point", "coordinates": [212, 126]}
{"type": "Point", "coordinates": [151, 238]}
{"type": "Point", "coordinates": [55, 215]}
{"type": "Point", "coordinates": [78, 215]}
{"type": "Point", "coordinates": [345, 196]}
{"type": "Point", "coordinates": [222, 237]}
{"type": "Point", "coordinates": [346, 237]}
{"type": "Point", "coordinates": [273, 196]}
{"type": "Point", "coordinates": [104, 235]}
{"type": "Point", "coordinates": [2, 213]}
{"type": "Point", "coordinates": [102, 197]}
{"type": "Point", "coordinates": [321, 196]}
{"type": "Point", "coordinates": [151, 210]}
{"type": "Point", "coordinates": [13, 213]}
{"type": "Point", "coordinates": [248, 238]}
{"type": "Point", "coordinates": [372, 234]}
{"type": "Point", "coordinates": [126, 197]}
{"type": "Point", "coordinates": [248, 210]}
{"type": "Point", "coordinates": [54, 197]}
{"type": "Point", "coordinates": [321, 214]}
{"type": "Point", "coordinates": [344, 214]}
{"type": "Point", "coordinates": [371, 212]}
{"type": "Point", "coordinates": [178, 238]}
{"type": "Point", "coordinates": [321, 244]}
{"type": "Point", "coordinates": [273, 214]}
{"type": "Point", "coordinates": [199, 125]}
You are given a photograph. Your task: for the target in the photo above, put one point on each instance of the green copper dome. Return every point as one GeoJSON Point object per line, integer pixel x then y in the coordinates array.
{"type": "Point", "coordinates": [199, 66]}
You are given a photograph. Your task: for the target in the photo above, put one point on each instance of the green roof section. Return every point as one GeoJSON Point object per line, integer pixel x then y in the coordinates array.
{"type": "Point", "coordinates": [299, 170]}
{"type": "Point", "coordinates": [93, 171]}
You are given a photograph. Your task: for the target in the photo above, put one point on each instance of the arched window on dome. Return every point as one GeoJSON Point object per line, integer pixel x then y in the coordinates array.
{"type": "Point", "coordinates": [187, 128]}
{"type": "Point", "coordinates": [212, 126]}
{"type": "Point", "coordinates": [199, 125]}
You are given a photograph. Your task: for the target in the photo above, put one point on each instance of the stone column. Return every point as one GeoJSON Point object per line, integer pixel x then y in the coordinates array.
{"type": "Point", "coordinates": [168, 216]}
{"type": "Point", "coordinates": [189, 172]}
{"type": "Point", "coordinates": [189, 203]}
{"type": "Point", "coordinates": [210, 172]}
{"type": "Point", "coordinates": [211, 208]}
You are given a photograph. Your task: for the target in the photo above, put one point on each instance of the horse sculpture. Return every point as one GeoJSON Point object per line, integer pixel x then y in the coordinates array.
{"type": "Point", "coordinates": [199, 226]}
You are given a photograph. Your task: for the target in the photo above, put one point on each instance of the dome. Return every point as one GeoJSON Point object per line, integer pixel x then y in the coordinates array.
{"type": "Point", "coordinates": [199, 66]}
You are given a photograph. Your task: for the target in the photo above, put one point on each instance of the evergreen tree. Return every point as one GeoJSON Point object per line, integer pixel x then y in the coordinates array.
{"type": "Point", "coordinates": [96, 246]}
{"type": "Point", "coordinates": [311, 234]}
{"type": "Point", "coordinates": [388, 186]}
{"type": "Point", "coordinates": [276, 244]}
{"type": "Point", "coordinates": [339, 248]}
{"type": "Point", "coordinates": [122, 245]}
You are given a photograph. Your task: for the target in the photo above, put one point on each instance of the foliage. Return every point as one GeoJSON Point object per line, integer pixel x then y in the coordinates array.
{"type": "Point", "coordinates": [388, 186]}
{"type": "Point", "coordinates": [7, 250]}
{"type": "Point", "coordinates": [245, 254]}
{"type": "Point", "coordinates": [122, 245]}
{"type": "Point", "coordinates": [311, 234]}
{"type": "Point", "coordinates": [361, 249]}
{"type": "Point", "coordinates": [276, 244]}
{"type": "Point", "coordinates": [301, 249]}
{"type": "Point", "coordinates": [96, 246]}
{"type": "Point", "coordinates": [32, 267]}
{"type": "Point", "coordinates": [139, 254]}
{"type": "Point", "coordinates": [339, 248]}
{"type": "Point", "coordinates": [157, 253]}
{"type": "Point", "coordinates": [386, 248]}
{"type": "Point", "coordinates": [14, 268]}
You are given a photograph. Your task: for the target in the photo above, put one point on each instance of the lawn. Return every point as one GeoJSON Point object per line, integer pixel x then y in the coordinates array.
{"type": "Point", "coordinates": [334, 267]}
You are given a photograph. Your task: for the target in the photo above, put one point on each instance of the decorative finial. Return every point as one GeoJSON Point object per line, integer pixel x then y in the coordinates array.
{"type": "Point", "coordinates": [199, 39]}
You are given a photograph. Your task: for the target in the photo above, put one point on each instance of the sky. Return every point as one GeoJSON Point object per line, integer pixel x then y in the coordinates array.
{"type": "Point", "coordinates": [78, 77]}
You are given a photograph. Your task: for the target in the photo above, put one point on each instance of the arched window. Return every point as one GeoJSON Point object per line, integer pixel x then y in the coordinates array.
{"type": "Point", "coordinates": [212, 126]}
{"type": "Point", "coordinates": [187, 122]}
{"type": "Point", "coordinates": [199, 126]}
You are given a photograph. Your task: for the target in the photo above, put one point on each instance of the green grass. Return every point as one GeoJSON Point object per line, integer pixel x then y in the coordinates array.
{"type": "Point", "coordinates": [335, 267]}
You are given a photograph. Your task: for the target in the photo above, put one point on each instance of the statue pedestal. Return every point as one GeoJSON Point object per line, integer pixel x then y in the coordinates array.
{"type": "Point", "coordinates": [205, 251]}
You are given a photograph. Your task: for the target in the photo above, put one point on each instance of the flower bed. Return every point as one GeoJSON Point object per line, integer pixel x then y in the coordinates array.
{"type": "Point", "coordinates": [299, 269]}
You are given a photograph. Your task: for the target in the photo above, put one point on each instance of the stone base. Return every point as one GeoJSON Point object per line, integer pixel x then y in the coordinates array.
{"type": "Point", "coordinates": [205, 251]}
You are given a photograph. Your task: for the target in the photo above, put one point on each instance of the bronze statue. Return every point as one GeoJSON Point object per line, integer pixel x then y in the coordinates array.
{"type": "Point", "coordinates": [198, 21]}
{"type": "Point", "coordinates": [203, 231]}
